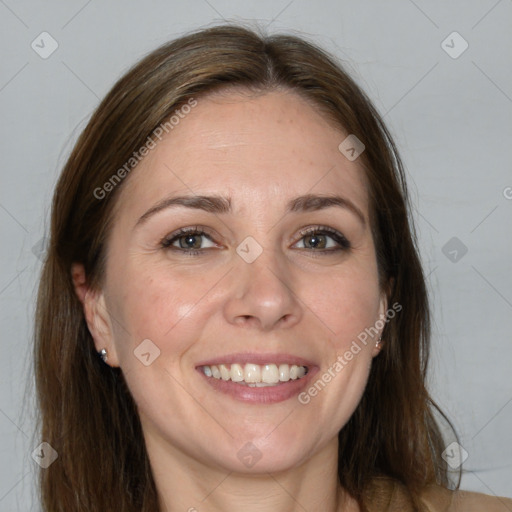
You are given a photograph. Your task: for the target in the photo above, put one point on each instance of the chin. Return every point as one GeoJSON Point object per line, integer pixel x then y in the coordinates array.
{"type": "Point", "coordinates": [266, 453]}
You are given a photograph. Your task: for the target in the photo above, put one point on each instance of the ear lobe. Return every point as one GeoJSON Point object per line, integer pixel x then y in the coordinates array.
{"type": "Point", "coordinates": [95, 312]}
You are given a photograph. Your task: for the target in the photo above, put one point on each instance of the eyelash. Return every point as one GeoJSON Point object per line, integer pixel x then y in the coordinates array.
{"type": "Point", "coordinates": [343, 243]}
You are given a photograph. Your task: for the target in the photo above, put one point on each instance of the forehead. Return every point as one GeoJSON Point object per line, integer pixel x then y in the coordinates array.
{"type": "Point", "coordinates": [266, 148]}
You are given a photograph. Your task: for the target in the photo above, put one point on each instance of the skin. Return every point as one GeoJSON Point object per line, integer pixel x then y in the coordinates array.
{"type": "Point", "coordinates": [261, 151]}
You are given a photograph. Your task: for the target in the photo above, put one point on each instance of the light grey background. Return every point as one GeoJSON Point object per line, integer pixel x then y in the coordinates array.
{"type": "Point", "coordinates": [450, 117]}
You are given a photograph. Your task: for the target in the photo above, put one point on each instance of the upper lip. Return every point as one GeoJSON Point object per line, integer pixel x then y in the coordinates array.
{"type": "Point", "coordinates": [257, 358]}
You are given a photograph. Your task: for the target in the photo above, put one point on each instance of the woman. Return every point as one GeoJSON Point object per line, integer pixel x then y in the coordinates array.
{"type": "Point", "coordinates": [230, 234]}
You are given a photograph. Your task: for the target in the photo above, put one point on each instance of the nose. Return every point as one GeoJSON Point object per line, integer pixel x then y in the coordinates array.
{"type": "Point", "coordinates": [262, 295]}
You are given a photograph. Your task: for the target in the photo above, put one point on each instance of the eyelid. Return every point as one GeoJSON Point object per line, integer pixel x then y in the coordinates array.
{"type": "Point", "coordinates": [199, 230]}
{"type": "Point", "coordinates": [337, 236]}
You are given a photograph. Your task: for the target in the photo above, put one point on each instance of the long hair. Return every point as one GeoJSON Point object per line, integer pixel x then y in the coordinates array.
{"type": "Point", "coordinates": [87, 412]}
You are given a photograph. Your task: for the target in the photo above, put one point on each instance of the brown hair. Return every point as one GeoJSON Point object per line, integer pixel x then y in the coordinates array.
{"type": "Point", "coordinates": [87, 413]}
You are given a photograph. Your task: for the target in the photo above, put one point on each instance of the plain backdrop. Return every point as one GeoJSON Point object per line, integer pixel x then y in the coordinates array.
{"type": "Point", "coordinates": [449, 108]}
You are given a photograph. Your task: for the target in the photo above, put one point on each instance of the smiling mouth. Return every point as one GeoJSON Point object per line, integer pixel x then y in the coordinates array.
{"type": "Point", "coordinates": [255, 375]}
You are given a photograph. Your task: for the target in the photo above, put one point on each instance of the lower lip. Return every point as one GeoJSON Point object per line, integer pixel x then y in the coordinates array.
{"type": "Point", "coordinates": [265, 395]}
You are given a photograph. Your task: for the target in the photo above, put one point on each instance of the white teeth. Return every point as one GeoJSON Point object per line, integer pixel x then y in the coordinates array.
{"type": "Point", "coordinates": [255, 375]}
{"type": "Point", "coordinates": [215, 372]}
{"type": "Point", "coordinates": [284, 372]}
{"type": "Point", "coordinates": [252, 373]}
{"type": "Point", "coordinates": [224, 372]}
{"type": "Point", "coordinates": [237, 373]}
{"type": "Point", "coordinates": [270, 374]}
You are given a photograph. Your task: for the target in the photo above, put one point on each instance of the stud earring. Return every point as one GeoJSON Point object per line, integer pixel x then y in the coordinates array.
{"type": "Point", "coordinates": [379, 341]}
{"type": "Point", "coordinates": [103, 354]}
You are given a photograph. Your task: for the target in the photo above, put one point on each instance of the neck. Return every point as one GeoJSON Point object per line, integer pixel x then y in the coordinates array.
{"type": "Point", "coordinates": [186, 484]}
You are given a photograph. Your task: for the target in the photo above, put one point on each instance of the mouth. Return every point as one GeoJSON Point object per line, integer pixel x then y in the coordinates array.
{"type": "Point", "coordinates": [258, 378]}
{"type": "Point", "coordinates": [255, 375]}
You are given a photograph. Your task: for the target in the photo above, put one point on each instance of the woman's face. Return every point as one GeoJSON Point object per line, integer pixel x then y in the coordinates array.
{"type": "Point", "coordinates": [266, 276]}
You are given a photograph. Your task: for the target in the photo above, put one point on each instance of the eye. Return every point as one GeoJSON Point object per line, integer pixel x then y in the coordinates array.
{"type": "Point", "coordinates": [188, 240]}
{"type": "Point", "coordinates": [323, 239]}
{"type": "Point", "coordinates": [194, 241]}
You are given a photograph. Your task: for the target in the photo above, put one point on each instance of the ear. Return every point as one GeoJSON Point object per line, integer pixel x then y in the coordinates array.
{"type": "Point", "coordinates": [96, 314]}
{"type": "Point", "coordinates": [383, 307]}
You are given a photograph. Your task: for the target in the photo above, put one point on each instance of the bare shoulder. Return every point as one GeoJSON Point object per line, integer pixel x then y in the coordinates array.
{"type": "Point", "coordinates": [389, 495]}
{"type": "Point", "coordinates": [439, 499]}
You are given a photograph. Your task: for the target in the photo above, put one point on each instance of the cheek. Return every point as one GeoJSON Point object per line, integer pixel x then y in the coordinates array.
{"type": "Point", "coordinates": [346, 305]}
{"type": "Point", "coordinates": [338, 387]}
{"type": "Point", "coordinates": [154, 306]}
{"type": "Point", "coordinates": [159, 314]}
{"type": "Point", "coordinates": [172, 307]}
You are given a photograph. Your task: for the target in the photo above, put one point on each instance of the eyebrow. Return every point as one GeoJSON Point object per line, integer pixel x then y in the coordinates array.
{"type": "Point", "coordinates": [219, 205]}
